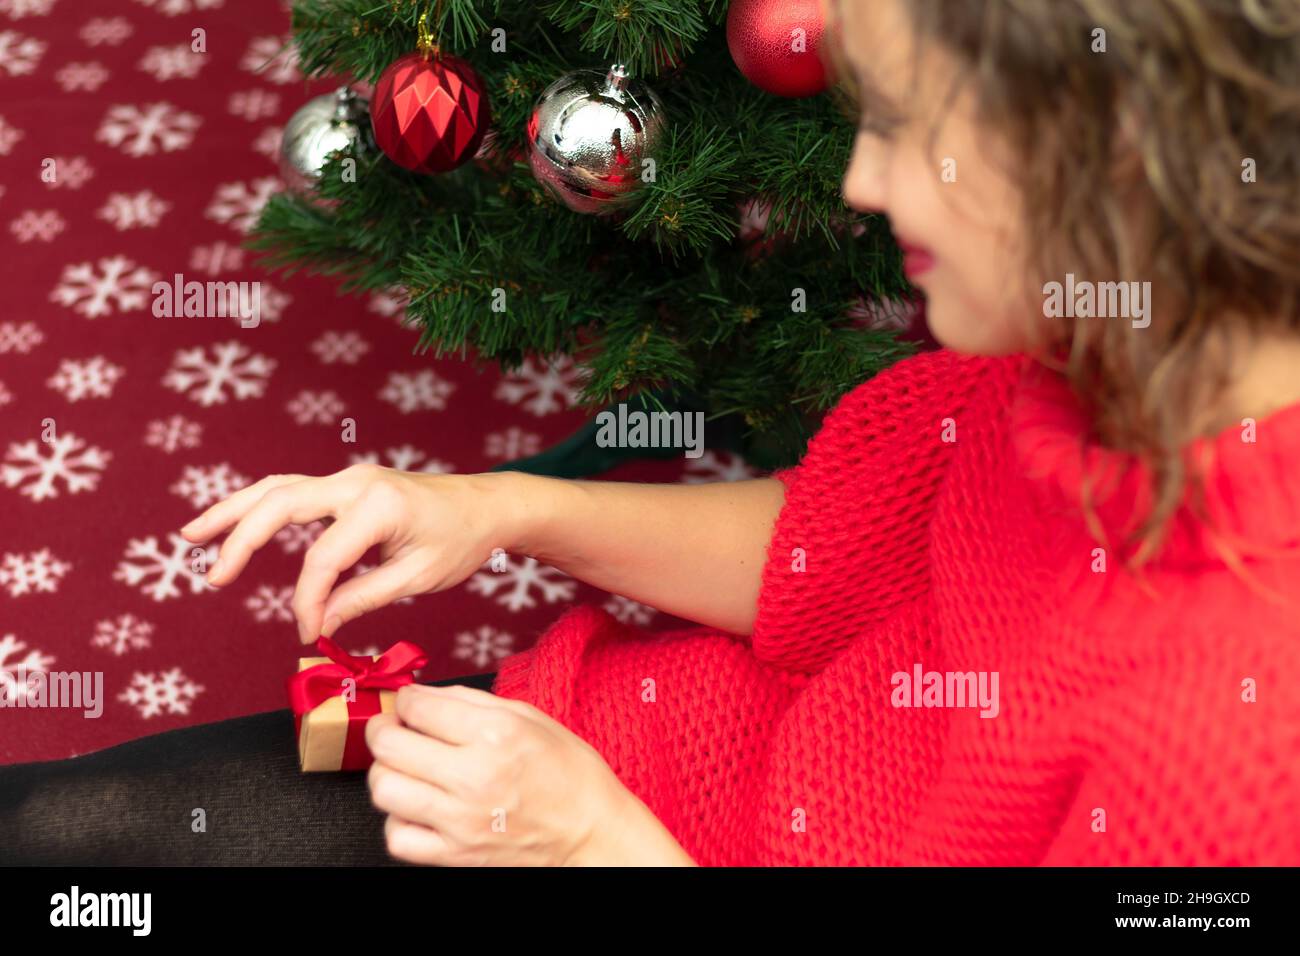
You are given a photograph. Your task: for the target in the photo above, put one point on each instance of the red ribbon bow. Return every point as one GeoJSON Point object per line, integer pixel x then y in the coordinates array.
{"type": "Point", "coordinates": [310, 688]}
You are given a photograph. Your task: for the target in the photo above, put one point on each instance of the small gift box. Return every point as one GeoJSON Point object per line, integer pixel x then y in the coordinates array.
{"type": "Point", "coordinates": [333, 696]}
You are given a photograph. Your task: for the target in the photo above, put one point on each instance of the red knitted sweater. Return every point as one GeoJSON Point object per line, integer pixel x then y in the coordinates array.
{"type": "Point", "coordinates": [934, 526]}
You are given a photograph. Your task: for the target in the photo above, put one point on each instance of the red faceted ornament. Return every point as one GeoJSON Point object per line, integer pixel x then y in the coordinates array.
{"type": "Point", "coordinates": [429, 114]}
{"type": "Point", "coordinates": [775, 44]}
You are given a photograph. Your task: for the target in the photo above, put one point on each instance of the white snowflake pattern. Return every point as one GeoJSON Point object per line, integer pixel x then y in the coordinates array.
{"type": "Point", "coordinates": [714, 467]}
{"type": "Point", "coordinates": [6, 396]}
{"type": "Point", "coordinates": [518, 581]}
{"type": "Point", "coordinates": [216, 258]}
{"type": "Point", "coordinates": [142, 210]}
{"type": "Point", "coordinates": [391, 305]}
{"type": "Point", "coordinates": [38, 571]}
{"type": "Point", "coordinates": [144, 559]}
{"type": "Point", "coordinates": [239, 204]}
{"type": "Point", "coordinates": [345, 347]}
{"type": "Point", "coordinates": [202, 486]}
{"type": "Point", "coordinates": [41, 225]}
{"type": "Point", "coordinates": [273, 302]}
{"type": "Point", "coordinates": [88, 378]}
{"type": "Point", "coordinates": [293, 538]}
{"type": "Point", "coordinates": [143, 130]}
{"type": "Point", "coordinates": [119, 282]}
{"type": "Point", "coordinates": [512, 443]}
{"type": "Point", "coordinates": [122, 634]}
{"type": "Point", "coordinates": [405, 458]}
{"type": "Point", "coordinates": [232, 366]}
{"type": "Point", "coordinates": [70, 460]}
{"type": "Point", "coordinates": [541, 388]}
{"type": "Point", "coordinates": [172, 62]}
{"type": "Point", "coordinates": [253, 105]}
{"type": "Point", "coordinates": [168, 692]}
{"type": "Point", "coordinates": [173, 433]}
{"type": "Point", "coordinates": [627, 611]}
{"type": "Point", "coordinates": [272, 59]}
{"type": "Point", "coordinates": [271, 604]}
{"type": "Point", "coordinates": [31, 662]}
{"type": "Point", "coordinates": [107, 30]}
{"type": "Point", "coordinates": [315, 408]}
{"type": "Point", "coordinates": [417, 391]}
{"type": "Point", "coordinates": [268, 142]}
{"type": "Point", "coordinates": [9, 135]}
{"type": "Point", "coordinates": [484, 646]}
{"type": "Point", "coordinates": [19, 337]}
{"type": "Point", "coordinates": [19, 54]}
{"type": "Point", "coordinates": [72, 173]}
{"type": "Point", "coordinates": [17, 9]}
{"type": "Point", "coordinates": [171, 8]}
{"type": "Point", "coordinates": [81, 76]}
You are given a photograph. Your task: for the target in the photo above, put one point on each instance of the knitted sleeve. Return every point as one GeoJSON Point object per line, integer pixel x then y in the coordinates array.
{"type": "Point", "coordinates": [850, 544]}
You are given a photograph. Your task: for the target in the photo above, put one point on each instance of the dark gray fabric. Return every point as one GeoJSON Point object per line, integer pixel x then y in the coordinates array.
{"type": "Point", "coordinates": [133, 804]}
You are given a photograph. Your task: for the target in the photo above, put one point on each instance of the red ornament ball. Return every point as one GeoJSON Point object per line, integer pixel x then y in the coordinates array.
{"type": "Point", "coordinates": [775, 44]}
{"type": "Point", "coordinates": [429, 114]}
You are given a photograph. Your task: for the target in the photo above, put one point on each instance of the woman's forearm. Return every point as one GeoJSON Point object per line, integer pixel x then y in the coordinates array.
{"type": "Point", "coordinates": [696, 551]}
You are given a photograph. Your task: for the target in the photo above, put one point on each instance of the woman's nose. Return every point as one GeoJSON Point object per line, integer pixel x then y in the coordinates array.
{"type": "Point", "coordinates": [864, 181]}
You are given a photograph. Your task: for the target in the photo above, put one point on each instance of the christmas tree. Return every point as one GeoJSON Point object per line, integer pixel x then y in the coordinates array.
{"type": "Point", "coordinates": [723, 279]}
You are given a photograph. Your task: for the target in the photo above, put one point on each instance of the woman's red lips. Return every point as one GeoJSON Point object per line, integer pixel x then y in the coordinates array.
{"type": "Point", "coordinates": [915, 259]}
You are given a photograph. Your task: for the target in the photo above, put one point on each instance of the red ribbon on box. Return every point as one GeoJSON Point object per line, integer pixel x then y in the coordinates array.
{"type": "Point", "coordinates": [310, 688]}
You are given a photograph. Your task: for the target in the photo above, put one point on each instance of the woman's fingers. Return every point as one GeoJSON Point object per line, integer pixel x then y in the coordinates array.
{"type": "Point", "coordinates": [229, 510]}
{"type": "Point", "coordinates": [370, 591]}
{"type": "Point", "coordinates": [431, 759]}
{"type": "Point", "coordinates": [298, 502]}
{"type": "Point", "coordinates": [340, 546]}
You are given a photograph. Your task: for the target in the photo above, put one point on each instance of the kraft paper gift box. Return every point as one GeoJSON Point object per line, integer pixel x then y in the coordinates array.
{"type": "Point", "coordinates": [334, 697]}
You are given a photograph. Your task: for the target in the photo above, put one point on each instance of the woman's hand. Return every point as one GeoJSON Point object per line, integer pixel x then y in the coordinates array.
{"type": "Point", "coordinates": [471, 779]}
{"type": "Point", "coordinates": [433, 531]}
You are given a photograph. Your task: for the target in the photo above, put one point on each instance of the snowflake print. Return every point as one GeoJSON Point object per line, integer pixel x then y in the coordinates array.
{"type": "Point", "coordinates": [239, 204]}
{"type": "Point", "coordinates": [519, 580]}
{"type": "Point", "coordinates": [10, 690]}
{"type": "Point", "coordinates": [315, 408]}
{"type": "Point", "coordinates": [405, 458]}
{"type": "Point", "coordinates": [143, 130]}
{"type": "Point", "coordinates": [271, 604]}
{"type": "Point", "coordinates": [19, 337]}
{"type": "Point", "coordinates": [72, 173]}
{"type": "Point", "coordinates": [204, 486]}
{"type": "Point", "coordinates": [232, 366]}
{"type": "Point", "coordinates": [627, 611]}
{"type": "Point", "coordinates": [541, 390]}
{"type": "Point", "coordinates": [39, 571]}
{"type": "Point", "coordinates": [81, 76]}
{"type": "Point", "coordinates": [216, 258]}
{"type": "Point", "coordinates": [6, 396]}
{"type": "Point", "coordinates": [273, 302]}
{"type": "Point", "coordinates": [417, 391]}
{"type": "Point", "coordinates": [713, 467]}
{"type": "Point", "coordinates": [171, 8]}
{"type": "Point", "coordinates": [17, 9]}
{"type": "Point", "coordinates": [110, 30]}
{"type": "Point", "coordinates": [91, 378]}
{"type": "Point", "coordinates": [484, 646]}
{"type": "Point", "coordinates": [253, 105]}
{"type": "Point", "coordinates": [119, 282]}
{"type": "Point", "coordinates": [173, 433]}
{"type": "Point", "coordinates": [172, 62]}
{"type": "Point", "coordinates": [268, 142]}
{"type": "Point", "coordinates": [9, 135]}
{"type": "Point", "coordinates": [153, 694]}
{"type": "Point", "coordinates": [142, 210]}
{"type": "Point", "coordinates": [344, 347]}
{"type": "Point", "coordinates": [293, 538]}
{"type": "Point", "coordinates": [19, 54]}
{"type": "Point", "coordinates": [37, 225]}
{"type": "Point", "coordinates": [272, 59]}
{"type": "Point", "coordinates": [121, 635]}
{"type": "Point", "coordinates": [511, 443]}
{"type": "Point", "coordinates": [143, 559]}
{"type": "Point", "coordinates": [70, 460]}
{"type": "Point", "coordinates": [391, 305]}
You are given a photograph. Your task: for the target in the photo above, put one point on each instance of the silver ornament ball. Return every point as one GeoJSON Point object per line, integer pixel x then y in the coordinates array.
{"type": "Point", "coordinates": [323, 125]}
{"type": "Point", "coordinates": [588, 135]}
